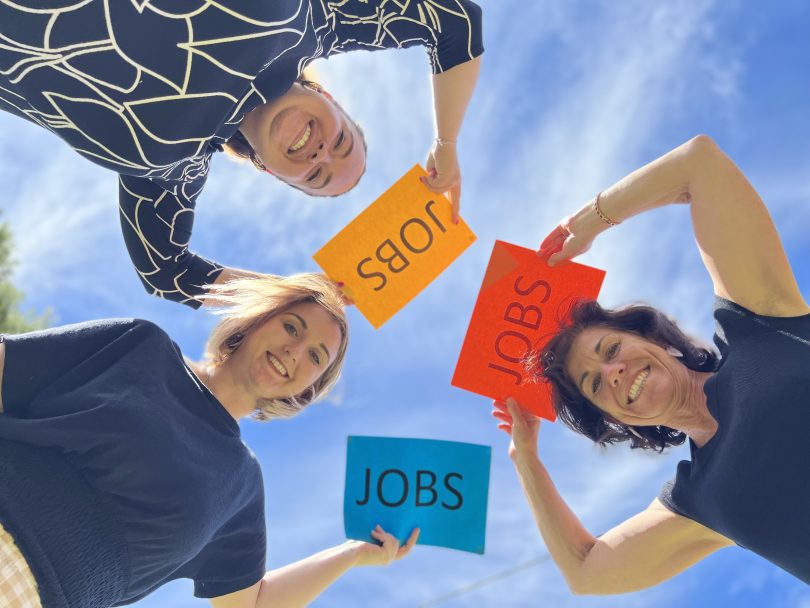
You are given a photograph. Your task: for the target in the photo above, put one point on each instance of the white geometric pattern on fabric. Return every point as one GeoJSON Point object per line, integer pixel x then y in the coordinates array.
{"type": "Point", "coordinates": [151, 88]}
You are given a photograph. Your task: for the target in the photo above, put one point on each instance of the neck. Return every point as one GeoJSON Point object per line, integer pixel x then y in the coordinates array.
{"type": "Point", "coordinates": [694, 418]}
{"type": "Point", "coordinates": [220, 383]}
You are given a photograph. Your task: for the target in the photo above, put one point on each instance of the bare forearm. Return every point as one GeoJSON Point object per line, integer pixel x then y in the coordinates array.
{"type": "Point", "coordinates": [665, 180]}
{"type": "Point", "coordinates": [452, 91]}
{"type": "Point", "coordinates": [567, 539]}
{"type": "Point", "coordinates": [300, 583]}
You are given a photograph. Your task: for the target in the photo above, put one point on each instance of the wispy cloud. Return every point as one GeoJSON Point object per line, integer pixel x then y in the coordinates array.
{"type": "Point", "coordinates": [573, 96]}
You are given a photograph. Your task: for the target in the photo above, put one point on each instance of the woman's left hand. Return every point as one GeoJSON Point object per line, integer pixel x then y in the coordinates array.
{"type": "Point", "coordinates": [370, 554]}
{"type": "Point", "coordinates": [444, 175]}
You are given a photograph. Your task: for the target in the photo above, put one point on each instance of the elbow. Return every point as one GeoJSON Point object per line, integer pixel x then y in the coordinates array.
{"type": "Point", "coordinates": [702, 146]}
{"type": "Point", "coordinates": [700, 156]}
{"type": "Point", "coordinates": [577, 588]}
{"type": "Point", "coordinates": [584, 585]}
{"type": "Point", "coordinates": [701, 151]}
{"type": "Point", "coordinates": [580, 585]}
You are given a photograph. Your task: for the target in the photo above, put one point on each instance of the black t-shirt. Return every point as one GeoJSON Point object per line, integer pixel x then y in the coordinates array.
{"type": "Point", "coordinates": [750, 482]}
{"type": "Point", "coordinates": [108, 413]}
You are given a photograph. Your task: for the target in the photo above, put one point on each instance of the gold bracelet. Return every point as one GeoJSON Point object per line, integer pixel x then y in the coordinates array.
{"type": "Point", "coordinates": [601, 215]}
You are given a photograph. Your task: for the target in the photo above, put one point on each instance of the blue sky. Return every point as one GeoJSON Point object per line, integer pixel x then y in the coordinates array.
{"type": "Point", "coordinates": [573, 95]}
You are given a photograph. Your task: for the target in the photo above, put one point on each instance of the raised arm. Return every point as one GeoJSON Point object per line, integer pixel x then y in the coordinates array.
{"type": "Point", "coordinates": [452, 32]}
{"type": "Point", "coordinates": [737, 239]}
{"type": "Point", "coordinates": [452, 91]}
{"type": "Point", "coordinates": [298, 584]}
{"type": "Point", "coordinates": [641, 552]}
{"type": "Point", "coordinates": [157, 224]}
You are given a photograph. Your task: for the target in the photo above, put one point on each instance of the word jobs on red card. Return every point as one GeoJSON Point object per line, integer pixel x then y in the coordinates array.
{"type": "Point", "coordinates": [519, 305]}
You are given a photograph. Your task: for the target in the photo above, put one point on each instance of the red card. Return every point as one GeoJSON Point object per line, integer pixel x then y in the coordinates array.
{"type": "Point", "coordinates": [517, 310]}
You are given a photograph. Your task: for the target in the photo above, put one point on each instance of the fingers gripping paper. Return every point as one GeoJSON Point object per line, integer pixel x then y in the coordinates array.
{"type": "Point", "coordinates": [395, 248]}
{"type": "Point", "coordinates": [517, 310]}
{"type": "Point", "coordinates": [440, 487]}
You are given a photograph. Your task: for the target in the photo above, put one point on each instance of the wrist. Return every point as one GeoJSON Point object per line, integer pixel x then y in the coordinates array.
{"type": "Point", "coordinates": [353, 549]}
{"type": "Point", "coordinates": [586, 222]}
{"type": "Point", "coordinates": [522, 459]}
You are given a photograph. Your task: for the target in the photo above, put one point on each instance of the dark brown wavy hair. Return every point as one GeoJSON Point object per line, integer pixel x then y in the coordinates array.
{"type": "Point", "coordinates": [577, 412]}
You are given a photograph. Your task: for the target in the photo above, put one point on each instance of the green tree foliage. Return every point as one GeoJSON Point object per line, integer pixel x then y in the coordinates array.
{"type": "Point", "coordinates": [12, 319]}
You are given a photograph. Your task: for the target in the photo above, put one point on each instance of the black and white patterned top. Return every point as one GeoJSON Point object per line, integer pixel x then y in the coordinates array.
{"type": "Point", "coordinates": [152, 88]}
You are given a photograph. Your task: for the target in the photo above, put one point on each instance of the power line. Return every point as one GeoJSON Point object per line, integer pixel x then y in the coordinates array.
{"type": "Point", "coordinates": [474, 586]}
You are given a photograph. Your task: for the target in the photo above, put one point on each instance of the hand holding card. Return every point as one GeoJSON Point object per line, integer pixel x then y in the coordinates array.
{"type": "Point", "coordinates": [520, 301]}
{"type": "Point", "coordinates": [395, 248]}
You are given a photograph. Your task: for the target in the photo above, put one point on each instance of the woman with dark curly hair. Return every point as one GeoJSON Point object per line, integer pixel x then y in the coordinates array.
{"type": "Point", "coordinates": [632, 375]}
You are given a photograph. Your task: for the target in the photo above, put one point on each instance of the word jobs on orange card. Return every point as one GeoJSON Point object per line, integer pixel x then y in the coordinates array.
{"type": "Point", "coordinates": [395, 248]}
{"type": "Point", "coordinates": [518, 308]}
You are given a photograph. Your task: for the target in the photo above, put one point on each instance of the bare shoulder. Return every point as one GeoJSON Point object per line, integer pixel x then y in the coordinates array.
{"type": "Point", "coordinates": [657, 513]}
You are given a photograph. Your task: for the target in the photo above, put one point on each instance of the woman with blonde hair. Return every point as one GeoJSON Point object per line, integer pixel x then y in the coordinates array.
{"type": "Point", "coordinates": [152, 89]}
{"type": "Point", "coordinates": [123, 466]}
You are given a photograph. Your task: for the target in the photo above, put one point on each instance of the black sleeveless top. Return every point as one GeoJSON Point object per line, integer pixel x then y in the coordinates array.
{"type": "Point", "coordinates": [751, 481]}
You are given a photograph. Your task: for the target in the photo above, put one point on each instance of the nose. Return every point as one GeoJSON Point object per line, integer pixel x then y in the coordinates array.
{"type": "Point", "coordinates": [613, 371]}
{"type": "Point", "coordinates": [320, 153]}
{"type": "Point", "coordinates": [292, 351]}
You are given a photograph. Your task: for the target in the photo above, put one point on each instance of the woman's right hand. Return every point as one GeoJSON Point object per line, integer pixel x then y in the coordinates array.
{"type": "Point", "coordinates": [389, 549]}
{"type": "Point", "coordinates": [573, 236]}
{"type": "Point", "coordinates": [522, 426]}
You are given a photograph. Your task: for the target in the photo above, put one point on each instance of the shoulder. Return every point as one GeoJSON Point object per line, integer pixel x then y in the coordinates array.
{"type": "Point", "coordinates": [735, 322]}
{"type": "Point", "coordinates": [660, 514]}
{"type": "Point", "coordinates": [773, 305]}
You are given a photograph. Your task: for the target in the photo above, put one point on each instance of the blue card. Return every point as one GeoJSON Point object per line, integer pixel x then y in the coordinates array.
{"type": "Point", "coordinates": [402, 484]}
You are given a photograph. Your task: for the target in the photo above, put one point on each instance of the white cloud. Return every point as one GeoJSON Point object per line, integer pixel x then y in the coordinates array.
{"type": "Point", "coordinates": [573, 96]}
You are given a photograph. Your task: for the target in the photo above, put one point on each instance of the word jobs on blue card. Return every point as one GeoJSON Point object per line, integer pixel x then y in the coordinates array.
{"type": "Point", "coordinates": [440, 487]}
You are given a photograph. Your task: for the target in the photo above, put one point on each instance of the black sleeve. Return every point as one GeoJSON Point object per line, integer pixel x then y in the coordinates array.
{"type": "Point", "coordinates": [450, 29]}
{"type": "Point", "coordinates": [156, 221]}
{"type": "Point", "coordinates": [236, 558]}
{"type": "Point", "coordinates": [35, 360]}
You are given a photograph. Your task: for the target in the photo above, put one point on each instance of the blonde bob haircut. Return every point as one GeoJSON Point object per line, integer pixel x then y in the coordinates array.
{"type": "Point", "coordinates": [247, 303]}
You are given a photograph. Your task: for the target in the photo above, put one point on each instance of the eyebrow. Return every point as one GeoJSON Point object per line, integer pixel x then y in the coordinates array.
{"type": "Point", "coordinates": [597, 349]}
{"type": "Point", "coordinates": [304, 325]}
{"type": "Point", "coordinates": [300, 320]}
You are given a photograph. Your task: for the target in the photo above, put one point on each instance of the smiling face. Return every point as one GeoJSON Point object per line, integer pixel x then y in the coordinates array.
{"type": "Point", "coordinates": [632, 379]}
{"type": "Point", "coordinates": [307, 141]}
{"type": "Point", "coordinates": [286, 354]}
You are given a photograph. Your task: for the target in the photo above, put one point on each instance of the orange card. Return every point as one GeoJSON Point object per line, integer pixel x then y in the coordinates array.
{"type": "Point", "coordinates": [517, 309]}
{"type": "Point", "coordinates": [395, 248]}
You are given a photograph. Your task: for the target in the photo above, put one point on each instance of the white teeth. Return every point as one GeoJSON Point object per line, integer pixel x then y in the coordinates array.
{"type": "Point", "coordinates": [303, 140]}
{"type": "Point", "coordinates": [638, 385]}
{"type": "Point", "coordinates": [278, 365]}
